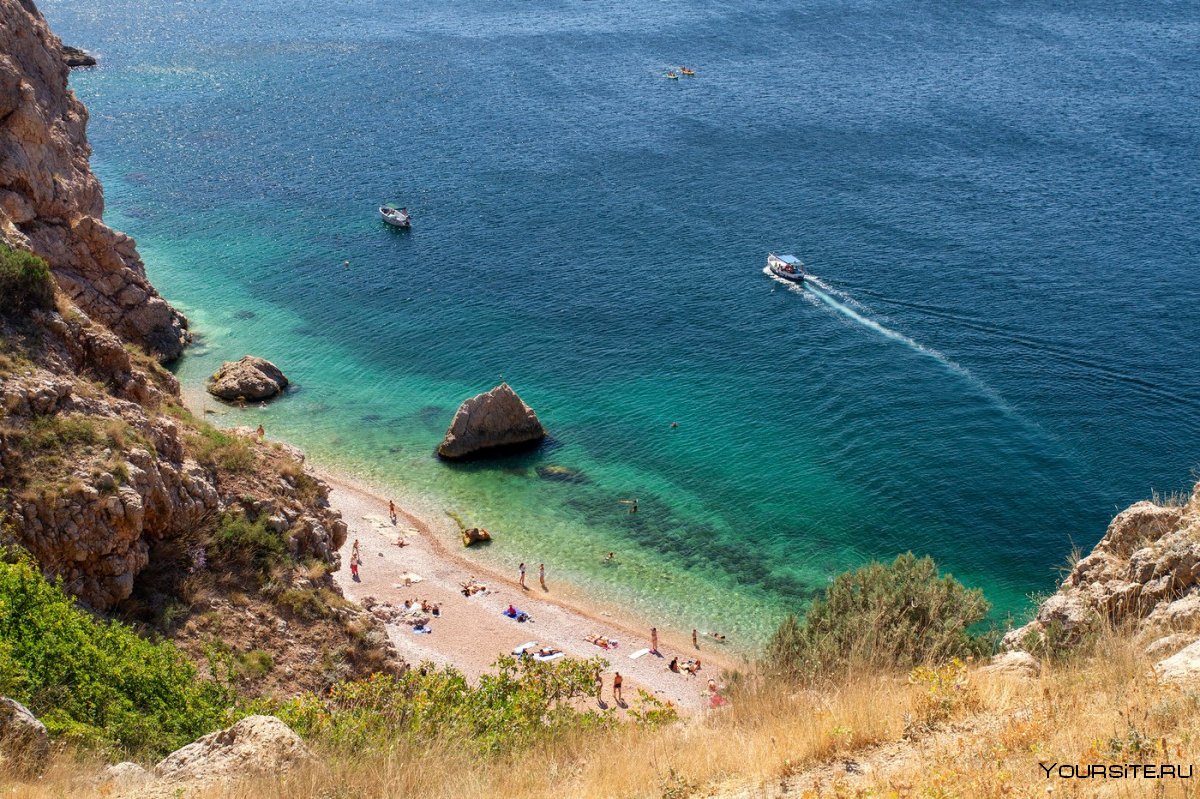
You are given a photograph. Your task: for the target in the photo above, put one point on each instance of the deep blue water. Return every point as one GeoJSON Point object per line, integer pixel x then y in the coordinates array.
{"type": "Point", "coordinates": [1000, 201]}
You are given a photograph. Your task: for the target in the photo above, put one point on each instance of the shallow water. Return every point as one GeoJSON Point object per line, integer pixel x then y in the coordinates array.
{"type": "Point", "coordinates": [999, 200]}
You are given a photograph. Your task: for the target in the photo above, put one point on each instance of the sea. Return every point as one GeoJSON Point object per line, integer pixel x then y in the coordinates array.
{"type": "Point", "coordinates": [998, 202]}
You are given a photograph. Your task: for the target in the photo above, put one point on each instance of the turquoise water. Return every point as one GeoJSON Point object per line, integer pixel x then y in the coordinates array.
{"type": "Point", "coordinates": [999, 200]}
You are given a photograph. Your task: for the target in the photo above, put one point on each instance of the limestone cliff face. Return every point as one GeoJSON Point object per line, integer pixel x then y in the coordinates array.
{"type": "Point", "coordinates": [51, 203]}
{"type": "Point", "coordinates": [1144, 571]}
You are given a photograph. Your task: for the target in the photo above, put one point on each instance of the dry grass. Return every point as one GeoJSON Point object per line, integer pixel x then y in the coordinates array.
{"type": "Point", "coordinates": [988, 744]}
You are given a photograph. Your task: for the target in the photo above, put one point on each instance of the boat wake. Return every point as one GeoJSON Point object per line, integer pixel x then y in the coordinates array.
{"type": "Point", "coordinates": [820, 293]}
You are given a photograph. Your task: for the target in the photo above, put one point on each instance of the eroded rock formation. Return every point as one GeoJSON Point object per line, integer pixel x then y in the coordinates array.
{"type": "Point", "coordinates": [52, 204]}
{"type": "Point", "coordinates": [1145, 570]}
{"type": "Point", "coordinates": [492, 420]}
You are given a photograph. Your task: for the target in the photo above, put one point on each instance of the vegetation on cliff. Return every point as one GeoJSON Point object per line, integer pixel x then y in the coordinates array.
{"type": "Point", "coordinates": [25, 281]}
{"type": "Point", "coordinates": [883, 617]}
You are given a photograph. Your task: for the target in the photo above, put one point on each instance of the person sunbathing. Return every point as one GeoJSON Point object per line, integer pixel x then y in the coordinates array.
{"type": "Point", "coordinates": [546, 651]}
{"type": "Point", "coordinates": [674, 665]}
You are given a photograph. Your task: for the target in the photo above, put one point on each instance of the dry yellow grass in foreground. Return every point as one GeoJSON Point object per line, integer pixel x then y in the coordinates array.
{"type": "Point", "coordinates": [953, 732]}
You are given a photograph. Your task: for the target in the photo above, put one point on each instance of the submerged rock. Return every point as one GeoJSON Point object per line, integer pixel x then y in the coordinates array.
{"type": "Point", "coordinates": [561, 474]}
{"type": "Point", "coordinates": [252, 378]}
{"type": "Point", "coordinates": [495, 419]}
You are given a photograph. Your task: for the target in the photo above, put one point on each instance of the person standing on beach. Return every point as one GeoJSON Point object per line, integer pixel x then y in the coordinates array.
{"type": "Point", "coordinates": [617, 686]}
{"type": "Point", "coordinates": [521, 575]}
{"type": "Point", "coordinates": [354, 570]}
{"type": "Point", "coordinates": [392, 511]}
{"type": "Point", "coordinates": [695, 639]}
{"type": "Point", "coordinates": [654, 640]}
{"type": "Point", "coordinates": [542, 576]}
{"type": "Point", "coordinates": [354, 558]}
{"type": "Point", "coordinates": [260, 433]}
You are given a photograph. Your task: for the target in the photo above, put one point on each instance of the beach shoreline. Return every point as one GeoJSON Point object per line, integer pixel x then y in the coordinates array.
{"type": "Point", "coordinates": [562, 615]}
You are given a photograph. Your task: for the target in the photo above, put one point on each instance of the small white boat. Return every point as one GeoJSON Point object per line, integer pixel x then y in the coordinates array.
{"type": "Point", "coordinates": [788, 267]}
{"type": "Point", "coordinates": [396, 217]}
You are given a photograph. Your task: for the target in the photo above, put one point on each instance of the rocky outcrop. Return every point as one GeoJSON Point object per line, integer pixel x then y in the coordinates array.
{"type": "Point", "coordinates": [1014, 664]}
{"type": "Point", "coordinates": [1183, 667]}
{"type": "Point", "coordinates": [24, 742]}
{"type": "Point", "coordinates": [1145, 570]}
{"type": "Point", "coordinates": [75, 57]}
{"type": "Point", "coordinates": [255, 745]}
{"type": "Point", "coordinates": [251, 378]}
{"type": "Point", "coordinates": [491, 421]}
{"type": "Point", "coordinates": [52, 204]}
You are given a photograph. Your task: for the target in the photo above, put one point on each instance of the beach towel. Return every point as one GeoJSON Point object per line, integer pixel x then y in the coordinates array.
{"type": "Point", "coordinates": [639, 653]}
{"type": "Point", "coordinates": [520, 650]}
{"type": "Point", "coordinates": [520, 615]}
{"type": "Point", "coordinates": [421, 629]}
{"type": "Point", "coordinates": [544, 658]}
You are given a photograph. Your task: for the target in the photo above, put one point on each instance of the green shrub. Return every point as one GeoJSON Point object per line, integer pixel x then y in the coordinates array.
{"type": "Point", "coordinates": [522, 702]}
{"type": "Point", "coordinates": [220, 450]}
{"type": "Point", "coordinates": [98, 683]}
{"type": "Point", "coordinates": [241, 542]}
{"type": "Point", "coordinates": [897, 615]}
{"type": "Point", "coordinates": [255, 663]}
{"type": "Point", "coordinates": [25, 282]}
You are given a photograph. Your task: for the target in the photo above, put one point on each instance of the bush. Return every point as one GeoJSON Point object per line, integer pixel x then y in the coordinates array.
{"type": "Point", "coordinates": [522, 702]}
{"type": "Point", "coordinates": [894, 616]}
{"type": "Point", "coordinates": [241, 542]}
{"type": "Point", "coordinates": [25, 282]}
{"type": "Point", "coordinates": [217, 449]}
{"type": "Point", "coordinates": [97, 682]}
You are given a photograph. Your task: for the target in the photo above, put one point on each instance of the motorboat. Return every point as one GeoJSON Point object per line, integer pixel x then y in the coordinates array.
{"type": "Point", "coordinates": [396, 217]}
{"type": "Point", "coordinates": [788, 267]}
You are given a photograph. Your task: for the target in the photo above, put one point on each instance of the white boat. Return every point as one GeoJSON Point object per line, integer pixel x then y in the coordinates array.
{"type": "Point", "coordinates": [788, 267]}
{"type": "Point", "coordinates": [396, 217]}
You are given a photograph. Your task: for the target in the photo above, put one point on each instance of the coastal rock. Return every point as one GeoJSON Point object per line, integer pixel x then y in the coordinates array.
{"type": "Point", "coordinates": [1168, 645]}
{"type": "Point", "coordinates": [1146, 569]}
{"type": "Point", "coordinates": [52, 204]}
{"type": "Point", "coordinates": [475, 535]}
{"type": "Point", "coordinates": [75, 57]}
{"type": "Point", "coordinates": [24, 742]}
{"type": "Point", "coordinates": [252, 378]}
{"type": "Point", "coordinates": [495, 419]}
{"type": "Point", "coordinates": [255, 745]}
{"type": "Point", "coordinates": [1014, 664]}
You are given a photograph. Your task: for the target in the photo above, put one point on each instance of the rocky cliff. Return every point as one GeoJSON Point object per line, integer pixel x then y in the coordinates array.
{"type": "Point", "coordinates": [142, 511]}
{"type": "Point", "coordinates": [52, 204]}
{"type": "Point", "coordinates": [1144, 572]}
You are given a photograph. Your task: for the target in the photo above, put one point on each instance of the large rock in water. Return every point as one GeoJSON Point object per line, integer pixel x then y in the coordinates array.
{"type": "Point", "coordinates": [24, 742]}
{"type": "Point", "coordinates": [497, 418]}
{"type": "Point", "coordinates": [255, 745]}
{"type": "Point", "coordinates": [252, 378]}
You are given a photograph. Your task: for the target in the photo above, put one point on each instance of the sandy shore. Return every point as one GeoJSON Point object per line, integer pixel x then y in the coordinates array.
{"type": "Point", "coordinates": [472, 632]}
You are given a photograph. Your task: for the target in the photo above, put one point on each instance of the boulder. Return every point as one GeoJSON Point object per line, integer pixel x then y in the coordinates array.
{"type": "Point", "coordinates": [255, 745]}
{"type": "Point", "coordinates": [475, 535]}
{"type": "Point", "coordinates": [251, 378]}
{"type": "Point", "coordinates": [1183, 667]}
{"type": "Point", "coordinates": [24, 742]}
{"type": "Point", "coordinates": [1014, 664]}
{"type": "Point", "coordinates": [489, 421]}
{"type": "Point", "coordinates": [124, 775]}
